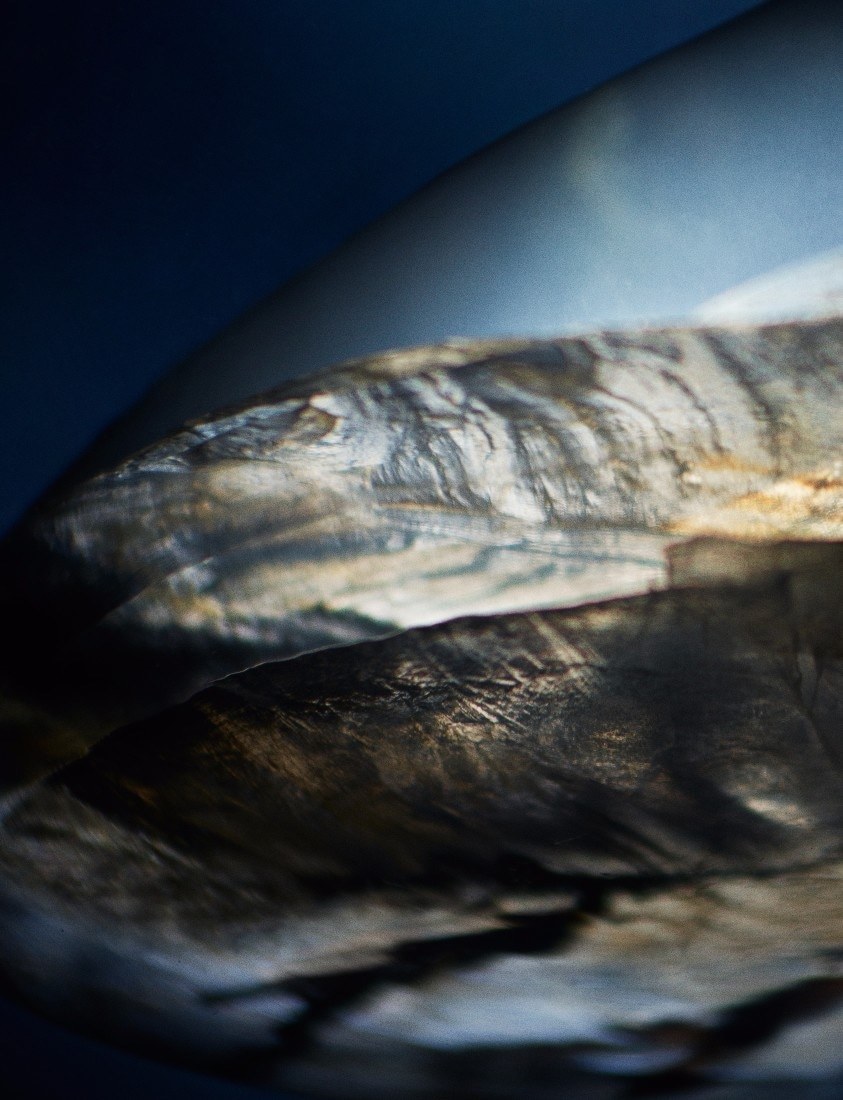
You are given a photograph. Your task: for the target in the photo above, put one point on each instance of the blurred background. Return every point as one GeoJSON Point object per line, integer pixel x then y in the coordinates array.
{"type": "Point", "coordinates": [170, 164]}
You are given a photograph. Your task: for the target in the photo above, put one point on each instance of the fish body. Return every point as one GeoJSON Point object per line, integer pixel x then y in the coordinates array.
{"type": "Point", "coordinates": [463, 721]}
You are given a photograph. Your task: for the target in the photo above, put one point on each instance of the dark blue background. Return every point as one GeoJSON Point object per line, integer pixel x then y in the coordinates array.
{"type": "Point", "coordinates": [168, 164]}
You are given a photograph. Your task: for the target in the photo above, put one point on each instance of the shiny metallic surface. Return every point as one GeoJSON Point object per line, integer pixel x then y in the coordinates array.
{"type": "Point", "coordinates": [467, 721]}
{"type": "Point", "coordinates": [464, 721]}
{"type": "Point", "coordinates": [409, 489]}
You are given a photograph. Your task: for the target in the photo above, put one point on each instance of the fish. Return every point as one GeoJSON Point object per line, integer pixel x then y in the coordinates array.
{"type": "Point", "coordinates": [460, 721]}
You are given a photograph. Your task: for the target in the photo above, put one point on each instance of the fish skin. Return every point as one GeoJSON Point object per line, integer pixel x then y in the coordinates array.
{"type": "Point", "coordinates": [467, 703]}
{"type": "Point", "coordinates": [405, 490]}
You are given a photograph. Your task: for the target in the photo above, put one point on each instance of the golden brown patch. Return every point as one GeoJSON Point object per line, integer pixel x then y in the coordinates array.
{"type": "Point", "coordinates": [806, 506]}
